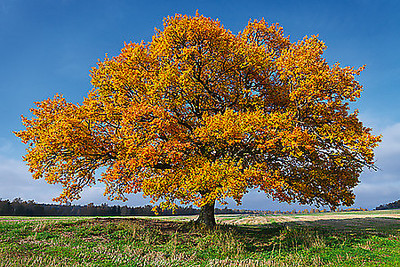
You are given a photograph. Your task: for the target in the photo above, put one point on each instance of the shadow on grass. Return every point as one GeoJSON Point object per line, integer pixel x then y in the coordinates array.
{"type": "Point", "coordinates": [268, 238]}
{"type": "Point", "coordinates": [106, 241]}
{"type": "Point", "coordinates": [324, 232]}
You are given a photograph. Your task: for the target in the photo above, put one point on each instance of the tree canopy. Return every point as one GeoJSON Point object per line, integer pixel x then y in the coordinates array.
{"type": "Point", "coordinates": [200, 114]}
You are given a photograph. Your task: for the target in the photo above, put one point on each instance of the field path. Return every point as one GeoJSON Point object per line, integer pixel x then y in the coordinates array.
{"type": "Point", "coordinates": [319, 218]}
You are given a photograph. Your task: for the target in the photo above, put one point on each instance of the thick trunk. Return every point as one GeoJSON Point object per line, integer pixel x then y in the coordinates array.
{"type": "Point", "coordinates": [206, 215]}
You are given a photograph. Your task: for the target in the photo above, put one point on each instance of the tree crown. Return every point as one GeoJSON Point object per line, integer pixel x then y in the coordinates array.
{"type": "Point", "coordinates": [200, 114]}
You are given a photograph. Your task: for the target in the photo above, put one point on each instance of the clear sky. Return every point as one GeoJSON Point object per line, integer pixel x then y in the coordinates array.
{"type": "Point", "coordinates": [48, 47]}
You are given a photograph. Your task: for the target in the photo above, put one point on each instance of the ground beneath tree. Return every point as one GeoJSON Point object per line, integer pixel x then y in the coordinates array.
{"type": "Point", "coordinates": [329, 218]}
{"type": "Point", "coordinates": [326, 239]}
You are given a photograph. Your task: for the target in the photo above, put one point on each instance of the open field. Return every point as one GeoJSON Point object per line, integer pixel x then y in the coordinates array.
{"type": "Point", "coordinates": [326, 239]}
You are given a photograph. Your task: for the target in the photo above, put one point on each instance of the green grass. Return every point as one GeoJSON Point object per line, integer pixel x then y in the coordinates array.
{"type": "Point", "coordinates": [151, 242]}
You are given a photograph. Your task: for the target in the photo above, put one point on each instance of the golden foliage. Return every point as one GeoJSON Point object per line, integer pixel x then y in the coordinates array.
{"type": "Point", "coordinates": [200, 114]}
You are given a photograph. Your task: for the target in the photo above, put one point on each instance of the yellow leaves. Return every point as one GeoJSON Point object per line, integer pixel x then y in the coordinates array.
{"type": "Point", "coordinates": [230, 126]}
{"type": "Point", "coordinates": [200, 182]}
{"type": "Point", "coordinates": [200, 114]}
{"type": "Point", "coordinates": [270, 38]}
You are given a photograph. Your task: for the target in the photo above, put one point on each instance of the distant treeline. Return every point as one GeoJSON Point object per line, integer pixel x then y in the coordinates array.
{"type": "Point", "coordinates": [19, 207]}
{"type": "Point", "coordinates": [305, 211]}
{"type": "Point", "coordinates": [389, 206]}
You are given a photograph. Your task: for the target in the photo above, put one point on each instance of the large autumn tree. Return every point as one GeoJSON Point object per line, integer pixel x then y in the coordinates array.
{"type": "Point", "coordinates": [200, 114]}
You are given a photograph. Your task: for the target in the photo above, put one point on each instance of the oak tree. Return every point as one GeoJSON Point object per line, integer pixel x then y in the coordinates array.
{"type": "Point", "coordinates": [200, 114]}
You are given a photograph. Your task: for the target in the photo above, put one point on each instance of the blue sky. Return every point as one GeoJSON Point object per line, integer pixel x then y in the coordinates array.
{"type": "Point", "coordinates": [48, 47]}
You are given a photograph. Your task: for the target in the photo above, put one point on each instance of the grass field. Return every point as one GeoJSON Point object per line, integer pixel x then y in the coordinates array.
{"type": "Point", "coordinates": [330, 239]}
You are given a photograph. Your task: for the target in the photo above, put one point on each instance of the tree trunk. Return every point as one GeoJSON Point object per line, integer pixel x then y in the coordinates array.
{"type": "Point", "coordinates": [206, 215]}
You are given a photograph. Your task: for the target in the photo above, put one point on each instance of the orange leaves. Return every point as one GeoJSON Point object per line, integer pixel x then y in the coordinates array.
{"type": "Point", "coordinates": [261, 131]}
{"type": "Point", "coordinates": [260, 34]}
{"type": "Point", "coordinates": [200, 114]}
{"type": "Point", "coordinates": [227, 128]}
{"type": "Point", "coordinates": [60, 144]}
{"type": "Point", "coordinates": [201, 181]}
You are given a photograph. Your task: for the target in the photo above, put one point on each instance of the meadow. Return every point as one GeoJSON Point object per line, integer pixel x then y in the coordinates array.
{"type": "Point", "coordinates": [369, 238]}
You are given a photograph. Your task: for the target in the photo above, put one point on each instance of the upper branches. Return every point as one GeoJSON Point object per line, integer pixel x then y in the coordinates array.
{"type": "Point", "coordinates": [200, 114]}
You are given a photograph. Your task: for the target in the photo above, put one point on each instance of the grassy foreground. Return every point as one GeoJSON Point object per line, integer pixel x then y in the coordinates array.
{"type": "Point", "coordinates": [371, 241]}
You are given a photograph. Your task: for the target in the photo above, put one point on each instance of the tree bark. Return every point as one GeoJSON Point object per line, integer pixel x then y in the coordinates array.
{"type": "Point", "coordinates": [206, 215]}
